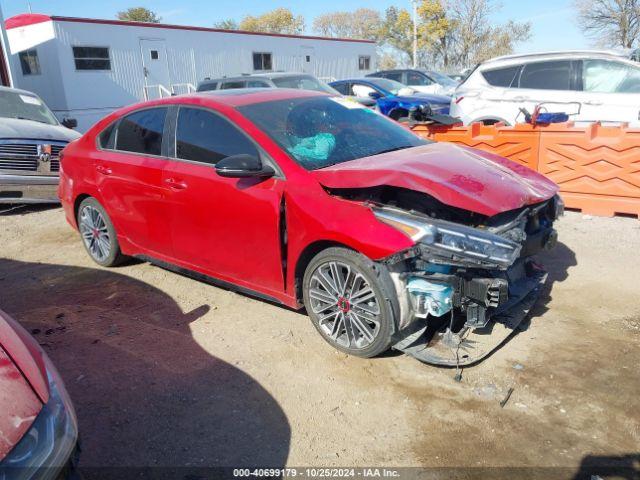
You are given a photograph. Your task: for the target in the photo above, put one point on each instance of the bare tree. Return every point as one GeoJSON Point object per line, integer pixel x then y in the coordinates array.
{"type": "Point", "coordinates": [614, 23]}
{"type": "Point", "coordinates": [362, 23]}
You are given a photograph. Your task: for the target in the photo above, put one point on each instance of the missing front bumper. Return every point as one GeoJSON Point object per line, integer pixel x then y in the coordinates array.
{"type": "Point", "coordinates": [451, 342]}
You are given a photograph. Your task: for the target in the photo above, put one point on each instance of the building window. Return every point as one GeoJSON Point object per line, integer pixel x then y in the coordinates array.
{"type": "Point", "coordinates": [364, 63]}
{"type": "Point", "coordinates": [91, 58]}
{"type": "Point", "coordinates": [29, 62]}
{"type": "Point", "coordinates": [154, 55]}
{"type": "Point", "coordinates": [261, 61]}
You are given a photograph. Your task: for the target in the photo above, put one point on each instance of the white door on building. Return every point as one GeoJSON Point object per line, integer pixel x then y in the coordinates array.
{"type": "Point", "coordinates": [155, 68]}
{"type": "Point", "coordinates": [308, 60]}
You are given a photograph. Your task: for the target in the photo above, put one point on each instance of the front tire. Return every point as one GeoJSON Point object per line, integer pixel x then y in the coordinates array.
{"type": "Point", "coordinates": [98, 234]}
{"type": "Point", "coordinates": [350, 301]}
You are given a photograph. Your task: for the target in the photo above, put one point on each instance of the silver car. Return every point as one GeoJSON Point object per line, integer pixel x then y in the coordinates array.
{"type": "Point", "coordinates": [31, 139]}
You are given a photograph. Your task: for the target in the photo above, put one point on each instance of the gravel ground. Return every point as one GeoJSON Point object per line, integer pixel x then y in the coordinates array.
{"type": "Point", "coordinates": [168, 371]}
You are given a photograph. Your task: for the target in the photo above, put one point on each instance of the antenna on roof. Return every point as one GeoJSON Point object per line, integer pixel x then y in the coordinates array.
{"type": "Point", "coordinates": [29, 7]}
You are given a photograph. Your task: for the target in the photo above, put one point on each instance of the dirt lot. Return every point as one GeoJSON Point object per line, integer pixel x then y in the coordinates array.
{"type": "Point", "coordinates": [167, 371]}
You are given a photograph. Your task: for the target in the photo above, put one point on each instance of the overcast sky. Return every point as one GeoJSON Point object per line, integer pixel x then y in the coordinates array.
{"type": "Point", "coordinates": [553, 21]}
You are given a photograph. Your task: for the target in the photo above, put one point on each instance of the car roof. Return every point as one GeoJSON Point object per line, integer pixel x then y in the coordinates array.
{"type": "Point", "coordinates": [17, 90]}
{"type": "Point", "coordinates": [248, 76]}
{"type": "Point", "coordinates": [559, 54]}
{"type": "Point", "coordinates": [238, 97]}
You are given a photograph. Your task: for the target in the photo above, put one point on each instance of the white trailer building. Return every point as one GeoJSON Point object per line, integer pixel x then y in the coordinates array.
{"type": "Point", "coordinates": [85, 68]}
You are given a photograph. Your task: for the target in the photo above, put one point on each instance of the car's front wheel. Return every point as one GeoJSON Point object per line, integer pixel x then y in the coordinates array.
{"type": "Point", "coordinates": [98, 234]}
{"type": "Point", "coordinates": [350, 301]}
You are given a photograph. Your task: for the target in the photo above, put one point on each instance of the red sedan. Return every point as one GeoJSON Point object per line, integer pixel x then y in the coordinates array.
{"type": "Point", "coordinates": [310, 200]}
{"type": "Point", "coordinates": [38, 426]}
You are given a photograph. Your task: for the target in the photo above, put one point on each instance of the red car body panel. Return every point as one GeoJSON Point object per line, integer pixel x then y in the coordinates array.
{"type": "Point", "coordinates": [457, 176]}
{"type": "Point", "coordinates": [23, 385]}
{"type": "Point", "coordinates": [185, 214]}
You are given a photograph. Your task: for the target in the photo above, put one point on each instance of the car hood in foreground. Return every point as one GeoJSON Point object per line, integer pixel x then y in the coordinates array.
{"type": "Point", "coordinates": [461, 177]}
{"type": "Point", "coordinates": [14, 128]}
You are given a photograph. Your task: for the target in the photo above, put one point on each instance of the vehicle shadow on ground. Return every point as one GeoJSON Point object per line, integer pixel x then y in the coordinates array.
{"type": "Point", "coordinates": [146, 393]}
{"type": "Point", "coordinates": [619, 467]}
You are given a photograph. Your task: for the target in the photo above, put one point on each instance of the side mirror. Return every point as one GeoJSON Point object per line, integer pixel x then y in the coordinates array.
{"type": "Point", "coordinates": [242, 166]}
{"type": "Point", "coordinates": [375, 95]}
{"type": "Point", "coordinates": [69, 122]}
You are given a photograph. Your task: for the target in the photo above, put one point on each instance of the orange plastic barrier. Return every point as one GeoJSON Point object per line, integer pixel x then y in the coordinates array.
{"type": "Point", "coordinates": [597, 167]}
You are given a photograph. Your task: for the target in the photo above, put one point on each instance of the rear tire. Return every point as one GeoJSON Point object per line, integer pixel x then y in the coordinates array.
{"type": "Point", "coordinates": [351, 301]}
{"type": "Point", "coordinates": [98, 234]}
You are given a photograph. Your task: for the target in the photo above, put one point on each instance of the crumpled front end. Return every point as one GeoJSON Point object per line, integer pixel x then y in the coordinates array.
{"type": "Point", "coordinates": [465, 287]}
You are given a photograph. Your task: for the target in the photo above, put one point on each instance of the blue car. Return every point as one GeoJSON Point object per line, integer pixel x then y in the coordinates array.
{"type": "Point", "coordinates": [394, 99]}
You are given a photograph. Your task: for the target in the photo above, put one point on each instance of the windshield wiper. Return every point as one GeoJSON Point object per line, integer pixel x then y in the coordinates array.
{"type": "Point", "coordinates": [33, 120]}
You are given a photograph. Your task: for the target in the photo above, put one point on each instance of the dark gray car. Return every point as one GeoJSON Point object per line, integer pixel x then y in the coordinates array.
{"type": "Point", "coordinates": [31, 139]}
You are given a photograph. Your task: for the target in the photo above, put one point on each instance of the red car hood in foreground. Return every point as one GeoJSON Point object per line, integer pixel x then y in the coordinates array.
{"type": "Point", "coordinates": [461, 177]}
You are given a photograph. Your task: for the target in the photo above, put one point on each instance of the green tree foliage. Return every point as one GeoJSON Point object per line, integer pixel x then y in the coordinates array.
{"type": "Point", "coordinates": [138, 14]}
{"type": "Point", "coordinates": [227, 24]}
{"type": "Point", "coordinates": [280, 20]}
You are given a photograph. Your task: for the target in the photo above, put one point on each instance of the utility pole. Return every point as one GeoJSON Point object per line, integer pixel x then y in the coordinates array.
{"type": "Point", "coordinates": [415, 33]}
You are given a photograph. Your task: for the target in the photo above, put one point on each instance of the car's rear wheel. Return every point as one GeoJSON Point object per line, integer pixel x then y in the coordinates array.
{"type": "Point", "coordinates": [349, 299]}
{"type": "Point", "coordinates": [97, 233]}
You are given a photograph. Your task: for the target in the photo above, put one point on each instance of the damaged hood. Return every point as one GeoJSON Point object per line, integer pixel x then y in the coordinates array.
{"type": "Point", "coordinates": [461, 177]}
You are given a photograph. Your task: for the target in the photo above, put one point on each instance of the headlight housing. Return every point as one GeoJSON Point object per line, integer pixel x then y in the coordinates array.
{"type": "Point", "coordinates": [452, 240]}
{"type": "Point", "coordinates": [48, 444]}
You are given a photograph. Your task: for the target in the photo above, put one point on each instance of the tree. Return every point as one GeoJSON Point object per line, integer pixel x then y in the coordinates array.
{"type": "Point", "coordinates": [363, 23]}
{"type": "Point", "coordinates": [227, 24]}
{"type": "Point", "coordinates": [397, 30]}
{"type": "Point", "coordinates": [387, 61]}
{"type": "Point", "coordinates": [280, 20]}
{"type": "Point", "coordinates": [138, 14]}
{"type": "Point", "coordinates": [614, 23]}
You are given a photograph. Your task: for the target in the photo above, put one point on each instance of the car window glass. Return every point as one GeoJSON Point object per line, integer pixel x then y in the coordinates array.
{"type": "Point", "coordinates": [141, 132]}
{"type": "Point", "coordinates": [230, 85]}
{"type": "Point", "coordinates": [603, 76]}
{"type": "Point", "coordinates": [362, 91]}
{"type": "Point", "coordinates": [257, 84]}
{"type": "Point", "coordinates": [555, 75]}
{"type": "Point", "coordinates": [203, 136]}
{"type": "Point", "coordinates": [342, 88]}
{"type": "Point", "coordinates": [501, 77]}
{"type": "Point", "coordinates": [207, 86]}
{"type": "Point", "coordinates": [397, 76]}
{"type": "Point", "coordinates": [415, 78]}
{"type": "Point", "coordinates": [107, 137]}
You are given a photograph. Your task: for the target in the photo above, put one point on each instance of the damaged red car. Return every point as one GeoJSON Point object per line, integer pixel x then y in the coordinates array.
{"type": "Point", "coordinates": [303, 198]}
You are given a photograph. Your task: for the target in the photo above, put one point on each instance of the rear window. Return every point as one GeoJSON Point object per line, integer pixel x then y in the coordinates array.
{"type": "Point", "coordinates": [204, 87]}
{"type": "Point", "coordinates": [141, 132]}
{"type": "Point", "coordinates": [501, 77]}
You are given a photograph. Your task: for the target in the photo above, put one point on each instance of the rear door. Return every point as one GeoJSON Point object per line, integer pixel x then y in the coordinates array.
{"type": "Point", "coordinates": [129, 178]}
{"type": "Point", "coordinates": [550, 82]}
{"type": "Point", "coordinates": [610, 91]}
{"type": "Point", "coordinates": [155, 66]}
{"type": "Point", "coordinates": [226, 227]}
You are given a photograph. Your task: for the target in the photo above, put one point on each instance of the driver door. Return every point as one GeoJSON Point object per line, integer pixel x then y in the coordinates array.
{"type": "Point", "coordinates": [225, 227]}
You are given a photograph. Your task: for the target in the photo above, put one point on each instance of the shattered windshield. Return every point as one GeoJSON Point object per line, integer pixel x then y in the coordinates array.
{"type": "Point", "coordinates": [322, 131]}
{"type": "Point", "coordinates": [24, 106]}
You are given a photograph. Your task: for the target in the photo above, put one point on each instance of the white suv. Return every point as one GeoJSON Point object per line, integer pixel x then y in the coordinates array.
{"type": "Point", "coordinates": [588, 85]}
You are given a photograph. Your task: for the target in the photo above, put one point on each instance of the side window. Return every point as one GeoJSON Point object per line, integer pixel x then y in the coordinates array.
{"type": "Point", "coordinates": [364, 62]}
{"type": "Point", "coordinates": [362, 91]}
{"type": "Point", "coordinates": [205, 87]}
{"type": "Point", "coordinates": [603, 76]}
{"type": "Point", "coordinates": [554, 75]}
{"type": "Point", "coordinates": [91, 58]}
{"type": "Point", "coordinates": [342, 88]}
{"type": "Point", "coordinates": [415, 78]}
{"type": "Point", "coordinates": [203, 136]}
{"type": "Point", "coordinates": [257, 84]}
{"type": "Point", "coordinates": [397, 76]}
{"type": "Point", "coordinates": [141, 132]}
{"type": "Point", "coordinates": [501, 77]}
{"type": "Point", "coordinates": [232, 85]}
{"type": "Point", "coordinates": [262, 61]}
{"type": "Point", "coordinates": [107, 138]}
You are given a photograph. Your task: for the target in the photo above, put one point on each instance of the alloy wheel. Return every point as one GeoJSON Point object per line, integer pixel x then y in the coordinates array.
{"type": "Point", "coordinates": [95, 233]}
{"type": "Point", "coordinates": [346, 306]}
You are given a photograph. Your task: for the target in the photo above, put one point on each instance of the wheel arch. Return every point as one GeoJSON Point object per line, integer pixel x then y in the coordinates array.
{"type": "Point", "coordinates": [76, 204]}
